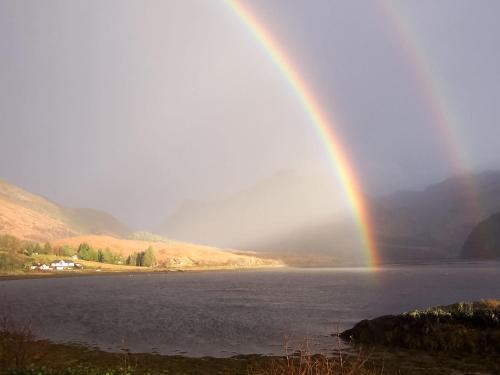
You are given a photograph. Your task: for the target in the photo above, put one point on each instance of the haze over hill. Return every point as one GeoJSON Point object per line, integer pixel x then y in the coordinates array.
{"type": "Point", "coordinates": [277, 206]}
{"type": "Point", "coordinates": [294, 216]}
{"type": "Point", "coordinates": [435, 221]}
{"type": "Point", "coordinates": [408, 225]}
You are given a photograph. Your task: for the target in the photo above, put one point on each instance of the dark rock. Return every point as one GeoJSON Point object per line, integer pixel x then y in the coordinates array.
{"type": "Point", "coordinates": [462, 327]}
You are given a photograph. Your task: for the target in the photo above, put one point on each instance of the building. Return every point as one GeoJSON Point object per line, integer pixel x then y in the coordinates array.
{"type": "Point", "coordinates": [60, 265]}
{"type": "Point", "coordinates": [39, 266]}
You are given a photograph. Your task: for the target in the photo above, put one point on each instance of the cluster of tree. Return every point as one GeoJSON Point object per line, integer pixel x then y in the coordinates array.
{"type": "Point", "coordinates": [144, 258]}
{"type": "Point", "coordinates": [12, 250]}
{"type": "Point", "coordinates": [87, 252]}
{"type": "Point", "coordinates": [13, 245]}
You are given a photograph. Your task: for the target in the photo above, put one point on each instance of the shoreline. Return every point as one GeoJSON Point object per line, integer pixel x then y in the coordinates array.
{"type": "Point", "coordinates": [367, 352]}
{"type": "Point", "coordinates": [84, 273]}
{"type": "Point", "coordinates": [133, 272]}
{"type": "Point", "coordinates": [47, 357]}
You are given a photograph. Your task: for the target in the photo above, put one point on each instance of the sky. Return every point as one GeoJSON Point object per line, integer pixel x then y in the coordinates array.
{"type": "Point", "coordinates": [134, 107]}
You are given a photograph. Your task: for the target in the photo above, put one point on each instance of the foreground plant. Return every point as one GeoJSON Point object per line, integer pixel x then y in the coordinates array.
{"type": "Point", "coordinates": [303, 361]}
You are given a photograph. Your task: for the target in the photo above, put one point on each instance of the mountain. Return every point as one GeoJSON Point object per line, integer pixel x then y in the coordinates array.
{"type": "Point", "coordinates": [408, 225]}
{"type": "Point", "coordinates": [274, 207]}
{"type": "Point", "coordinates": [434, 222]}
{"type": "Point", "coordinates": [484, 240]}
{"type": "Point", "coordinates": [32, 217]}
{"type": "Point", "coordinates": [421, 225]}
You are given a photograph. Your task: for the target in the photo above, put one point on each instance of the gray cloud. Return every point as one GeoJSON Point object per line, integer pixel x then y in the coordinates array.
{"type": "Point", "coordinates": [134, 107]}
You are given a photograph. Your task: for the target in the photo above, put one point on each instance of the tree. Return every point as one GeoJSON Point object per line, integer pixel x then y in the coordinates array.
{"type": "Point", "coordinates": [140, 259]}
{"type": "Point", "coordinates": [29, 248]}
{"type": "Point", "coordinates": [66, 250]}
{"type": "Point", "coordinates": [108, 256]}
{"type": "Point", "coordinates": [83, 251]}
{"type": "Point", "coordinates": [149, 259]}
{"type": "Point", "coordinates": [10, 244]}
{"type": "Point", "coordinates": [100, 256]}
{"type": "Point", "coordinates": [47, 248]}
{"type": "Point", "coordinates": [86, 252]}
{"type": "Point", "coordinates": [37, 249]}
{"type": "Point", "coordinates": [132, 259]}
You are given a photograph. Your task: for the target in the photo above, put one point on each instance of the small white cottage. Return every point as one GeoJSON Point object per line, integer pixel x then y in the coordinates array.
{"type": "Point", "coordinates": [60, 265]}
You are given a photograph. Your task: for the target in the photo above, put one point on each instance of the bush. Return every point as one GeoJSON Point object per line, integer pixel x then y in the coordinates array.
{"type": "Point", "coordinates": [86, 252]}
{"type": "Point", "coordinates": [10, 263]}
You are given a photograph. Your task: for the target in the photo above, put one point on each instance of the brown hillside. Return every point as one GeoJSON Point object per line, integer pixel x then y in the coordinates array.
{"type": "Point", "coordinates": [187, 254]}
{"type": "Point", "coordinates": [33, 217]}
{"type": "Point", "coordinates": [26, 223]}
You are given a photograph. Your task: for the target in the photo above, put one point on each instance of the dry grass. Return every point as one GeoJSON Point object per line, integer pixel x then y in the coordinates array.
{"type": "Point", "coordinates": [26, 223]}
{"type": "Point", "coordinates": [493, 304]}
{"type": "Point", "coordinates": [189, 254]}
{"type": "Point", "coordinates": [16, 350]}
{"type": "Point", "coordinates": [303, 361]}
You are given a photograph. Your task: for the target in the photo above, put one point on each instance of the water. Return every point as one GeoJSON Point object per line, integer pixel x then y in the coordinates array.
{"type": "Point", "coordinates": [234, 312]}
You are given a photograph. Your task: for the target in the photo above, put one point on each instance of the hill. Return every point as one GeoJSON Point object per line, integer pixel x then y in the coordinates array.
{"type": "Point", "coordinates": [171, 253]}
{"type": "Point", "coordinates": [32, 217]}
{"type": "Point", "coordinates": [408, 225]}
{"type": "Point", "coordinates": [484, 240]}
{"type": "Point", "coordinates": [275, 206]}
{"type": "Point", "coordinates": [434, 222]}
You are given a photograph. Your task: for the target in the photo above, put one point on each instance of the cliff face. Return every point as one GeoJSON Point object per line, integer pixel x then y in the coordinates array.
{"type": "Point", "coordinates": [484, 240]}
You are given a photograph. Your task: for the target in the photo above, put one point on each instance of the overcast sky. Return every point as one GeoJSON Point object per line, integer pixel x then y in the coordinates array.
{"type": "Point", "coordinates": [135, 106]}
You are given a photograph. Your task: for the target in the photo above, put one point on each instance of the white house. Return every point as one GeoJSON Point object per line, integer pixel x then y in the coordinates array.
{"type": "Point", "coordinates": [38, 266]}
{"type": "Point", "coordinates": [60, 265]}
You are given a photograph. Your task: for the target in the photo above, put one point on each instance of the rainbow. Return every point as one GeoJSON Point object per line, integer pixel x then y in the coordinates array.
{"type": "Point", "coordinates": [434, 94]}
{"type": "Point", "coordinates": [337, 156]}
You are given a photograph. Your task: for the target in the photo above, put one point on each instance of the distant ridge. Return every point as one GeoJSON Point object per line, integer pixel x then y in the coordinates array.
{"type": "Point", "coordinates": [288, 199]}
{"type": "Point", "coordinates": [33, 217]}
{"type": "Point", "coordinates": [424, 225]}
{"type": "Point", "coordinates": [436, 221]}
{"type": "Point", "coordinates": [484, 240]}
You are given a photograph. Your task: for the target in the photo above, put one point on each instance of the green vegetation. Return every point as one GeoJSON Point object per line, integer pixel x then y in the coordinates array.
{"type": "Point", "coordinates": [144, 258]}
{"type": "Point", "coordinates": [21, 353]}
{"type": "Point", "coordinates": [64, 250]}
{"type": "Point", "coordinates": [17, 255]}
{"type": "Point", "coordinates": [87, 252]}
{"type": "Point", "coordinates": [12, 251]}
{"type": "Point", "coordinates": [10, 262]}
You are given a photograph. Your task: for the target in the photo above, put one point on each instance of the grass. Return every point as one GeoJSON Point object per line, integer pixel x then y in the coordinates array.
{"type": "Point", "coordinates": [22, 354]}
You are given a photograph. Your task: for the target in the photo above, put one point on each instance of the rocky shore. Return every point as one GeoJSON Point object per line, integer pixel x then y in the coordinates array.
{"type": "Point", "coordinates": [465, 327]}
